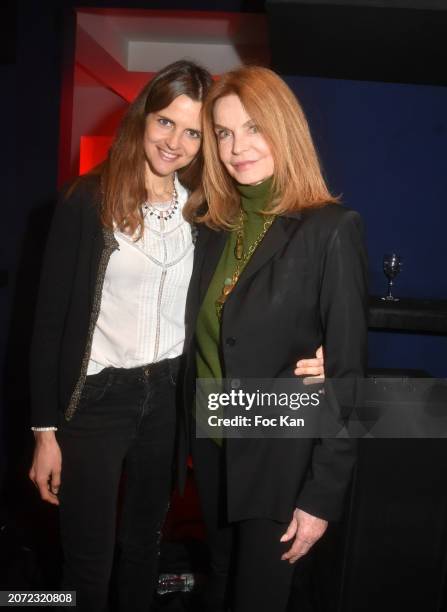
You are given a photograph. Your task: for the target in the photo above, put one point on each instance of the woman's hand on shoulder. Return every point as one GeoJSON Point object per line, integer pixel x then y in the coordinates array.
{"type": "Point", "coordinates": [46, 468]}
{"type": "Point", "coordinates": [311, 367]}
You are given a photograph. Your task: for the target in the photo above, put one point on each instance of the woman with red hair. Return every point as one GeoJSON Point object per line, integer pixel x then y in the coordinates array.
{"type": "Point", "coordinates": [280, 269]}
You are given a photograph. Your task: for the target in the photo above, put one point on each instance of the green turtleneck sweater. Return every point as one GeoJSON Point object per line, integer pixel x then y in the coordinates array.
{"type": "Point", "coordinates": [254, 198]}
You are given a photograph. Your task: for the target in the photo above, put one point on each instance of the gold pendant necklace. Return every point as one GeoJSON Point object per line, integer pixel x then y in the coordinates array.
{"type": "Point", "coordinates": [230, 283]}
{"type": "Point", "coordinates": [239, 246]}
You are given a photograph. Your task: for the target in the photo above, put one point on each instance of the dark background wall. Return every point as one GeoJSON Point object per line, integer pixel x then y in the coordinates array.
{"type": "Point", "coordinates": [383, 147]}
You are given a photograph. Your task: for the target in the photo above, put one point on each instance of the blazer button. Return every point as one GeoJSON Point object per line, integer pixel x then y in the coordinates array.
{"type": "Point", "coordinates": [230, 341]}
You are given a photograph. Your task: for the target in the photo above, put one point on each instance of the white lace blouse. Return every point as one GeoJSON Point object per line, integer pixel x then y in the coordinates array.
{"type": "Point", "coordinates": [142, 313]}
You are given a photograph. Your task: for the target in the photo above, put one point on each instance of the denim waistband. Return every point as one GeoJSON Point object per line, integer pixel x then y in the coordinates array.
{"type": "Point", "coordinates": [151, 370]}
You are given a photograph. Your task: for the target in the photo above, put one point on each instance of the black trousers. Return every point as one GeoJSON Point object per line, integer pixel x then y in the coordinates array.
{"type": "Point", "coordinates": [125, 421]}
{"type": "Point", "coordinates": [247, 573]}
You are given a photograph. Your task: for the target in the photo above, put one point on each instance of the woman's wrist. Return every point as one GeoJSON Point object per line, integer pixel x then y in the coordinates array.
{"type": "Point", "coordinates": [46, 436]}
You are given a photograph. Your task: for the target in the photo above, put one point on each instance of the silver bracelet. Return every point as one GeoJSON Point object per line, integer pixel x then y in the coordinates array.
{"type": "Point", "coordinates": [44, 428]}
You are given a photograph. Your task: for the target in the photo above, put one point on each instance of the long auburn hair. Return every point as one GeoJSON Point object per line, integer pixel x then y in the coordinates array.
{"type": "Point", "coordinates": [298, 181]}
{"type": "Point", "coordinates": [123, 172]}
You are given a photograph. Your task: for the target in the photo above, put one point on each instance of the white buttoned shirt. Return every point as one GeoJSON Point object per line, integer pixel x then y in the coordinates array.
{"type": "Point", "coordinates": [141, 319]}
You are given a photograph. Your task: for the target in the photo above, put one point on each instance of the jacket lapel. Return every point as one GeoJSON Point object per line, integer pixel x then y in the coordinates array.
{"type": "Point", "coordinates": [104, 243]}
{"type": "Point", "coordinates": [209, 255]}
{"type": "Point", "coordinates": [276, 237]}
{"type": "Point", "coordinates": [97, 249]}
{"type": "Point", "coordinates": [208, 249]}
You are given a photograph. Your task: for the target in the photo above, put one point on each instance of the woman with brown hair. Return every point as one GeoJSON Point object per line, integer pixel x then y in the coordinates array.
{"type": "Point", "coordinates": [108, 337]}
{"type": "Point", "coordinates": [280, 268]}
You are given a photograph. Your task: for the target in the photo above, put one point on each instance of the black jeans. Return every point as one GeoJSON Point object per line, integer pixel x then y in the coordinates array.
{"type": "Point", "coordinates": [247, 552]}
{"type": "Point", "coordinates": [125, 421]}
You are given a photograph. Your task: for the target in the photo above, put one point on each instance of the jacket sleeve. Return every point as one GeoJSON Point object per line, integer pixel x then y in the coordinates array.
{"type": "Point", "coordinates": [56, 282]}
{"type": "Point", "coordinates": [343, 312]}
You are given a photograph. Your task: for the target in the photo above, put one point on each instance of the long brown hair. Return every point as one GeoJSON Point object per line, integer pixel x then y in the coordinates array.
{"type": "Point", "coordinates": [123, 172]}
{"type": "Point", "coordinates": [297, 183]}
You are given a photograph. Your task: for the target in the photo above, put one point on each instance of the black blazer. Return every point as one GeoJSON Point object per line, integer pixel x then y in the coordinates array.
{"type": "Point", "coordinates": [304, 286]}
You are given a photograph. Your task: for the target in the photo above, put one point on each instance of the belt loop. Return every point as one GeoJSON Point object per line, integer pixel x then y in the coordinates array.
{"type": "Point", "coordinates": [146, 371]}
{"type": "Point", "coordinates": [110, 376]}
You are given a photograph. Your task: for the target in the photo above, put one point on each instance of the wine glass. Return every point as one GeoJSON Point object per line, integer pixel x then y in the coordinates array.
{"type": "Point", "coordinates": [392, 265]}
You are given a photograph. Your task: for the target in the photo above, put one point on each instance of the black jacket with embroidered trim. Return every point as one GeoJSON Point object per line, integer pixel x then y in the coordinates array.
{"type": "Point", "coordinates": [74, 266]}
